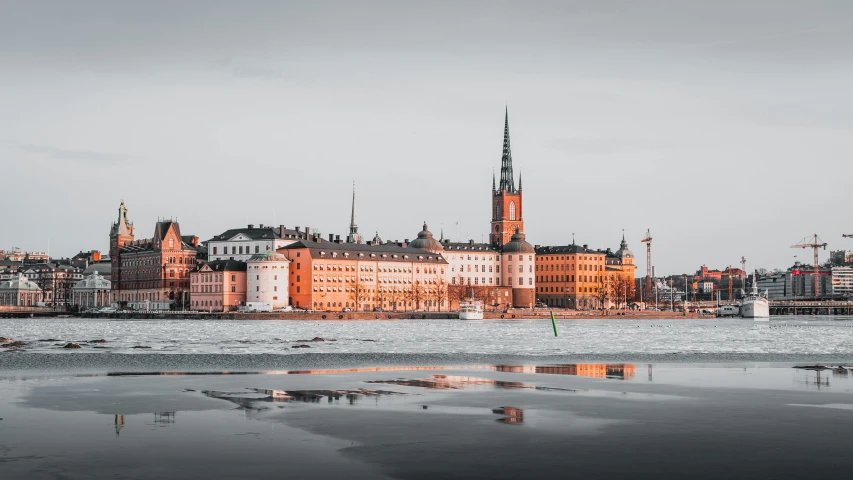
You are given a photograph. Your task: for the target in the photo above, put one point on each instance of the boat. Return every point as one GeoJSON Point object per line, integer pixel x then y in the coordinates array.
{"type": "Point", "coordinates": [728, 310]}
{"type": "Point", "coordinates": [755, 305]}
{"type": "Point", "coordinates": [470, 309]}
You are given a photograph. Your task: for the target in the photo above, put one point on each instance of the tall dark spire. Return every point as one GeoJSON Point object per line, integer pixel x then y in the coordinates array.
{"type": "Point", "coordinates": [353, 236]}
{"type": "Point", "coordinates": [519, 180]}
{"type": "Point", "coordinates": [507, 182]}
{"type": "Point", "coordinates": [493, 180]}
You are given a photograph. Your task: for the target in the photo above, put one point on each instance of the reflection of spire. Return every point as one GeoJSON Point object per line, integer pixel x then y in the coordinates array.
{"type": "Point", "coordinates": [353, 236]}
{"type": "Point", "coordinates": [507, 182]}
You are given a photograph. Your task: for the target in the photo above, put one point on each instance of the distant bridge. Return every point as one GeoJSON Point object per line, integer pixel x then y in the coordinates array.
{"type": "Point", "coordinates": [810, 307]}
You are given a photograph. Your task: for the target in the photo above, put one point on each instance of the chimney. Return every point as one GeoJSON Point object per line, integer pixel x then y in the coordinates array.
{"type": "Point", "coordinates": [307, 232]}
{"type": "Point", "coordinates": [331, 237]}
{"type": "Point", "coordinates": [585, 246]}
{"type": "Point", "coordinates": [195, 241]}
{"type": "Point", "coordinates": [338, 239]}
{"type": "Point", "coordinates": [251, 226]}
{"type": "Point", "coordinates": [261, 226]}
{"type": "Point", "coordinates": [406, 241]}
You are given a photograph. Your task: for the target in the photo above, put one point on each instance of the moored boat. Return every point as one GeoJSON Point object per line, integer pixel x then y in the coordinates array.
{"type": "Point", "coordinates": [470, 310]}
{"type": "Point", "coordinates": [754, 305]}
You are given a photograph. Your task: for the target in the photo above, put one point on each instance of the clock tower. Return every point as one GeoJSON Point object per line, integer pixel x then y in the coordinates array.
{"type": "Point", "coordinates": [506, 198]}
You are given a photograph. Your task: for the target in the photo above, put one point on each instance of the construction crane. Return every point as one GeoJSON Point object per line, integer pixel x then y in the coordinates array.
{"type": "Point", "coordinates": [648, 241]}
{"type": "Point", "coordinates": [816, 243]}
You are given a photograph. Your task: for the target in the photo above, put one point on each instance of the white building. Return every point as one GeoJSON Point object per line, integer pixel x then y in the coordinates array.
{"type": "Point", "coordinates": [267, 279]}
{"type": "Point", "coordinates": [842, 280]}
{"type": "Point", "coordinates": [20, 291]}
{"type": "Point", "coordinates": [92, 291]}
{"type": "Point", "coordinates": [241, 243]}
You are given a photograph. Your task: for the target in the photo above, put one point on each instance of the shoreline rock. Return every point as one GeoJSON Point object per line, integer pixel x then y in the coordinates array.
{"type": "Point", "coordinates": [72, 345]}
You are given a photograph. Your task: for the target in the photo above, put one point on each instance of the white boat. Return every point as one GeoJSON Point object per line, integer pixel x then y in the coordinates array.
{"type": "Point", "coordinates": [470, 310]}
{"type": "Point", "coordinates": [754, 305]}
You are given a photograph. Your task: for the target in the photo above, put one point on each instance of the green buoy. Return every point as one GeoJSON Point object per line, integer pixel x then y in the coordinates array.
{"type": "Point", "coordinates": [554, 323]}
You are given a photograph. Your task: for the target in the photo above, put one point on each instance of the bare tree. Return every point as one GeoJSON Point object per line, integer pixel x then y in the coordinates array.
{"type": "Point", "coordinates": [416, 295]}
{"type": "Point", "coordinates": [457, 292]}
{"type": "Point", "coordinates": [619, 288]}
{"type": "Point", "coordinates": [441, 291]}
{"type": "Point", "coordinates": [383, 296]}
{"type": "Point", "coordinates": [358, 293]}
{"type": "Point", "coordinates": [397, 296]}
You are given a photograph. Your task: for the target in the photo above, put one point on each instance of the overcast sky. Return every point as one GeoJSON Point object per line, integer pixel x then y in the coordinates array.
{"type": "Point", "coordinates": [723, 126]}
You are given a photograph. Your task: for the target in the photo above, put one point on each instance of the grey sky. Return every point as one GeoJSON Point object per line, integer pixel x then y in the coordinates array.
{"type": "Point", "coordinates": [725, 127]}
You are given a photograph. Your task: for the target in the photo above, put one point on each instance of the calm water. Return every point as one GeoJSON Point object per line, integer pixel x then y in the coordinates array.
{"type": "Point", "coordinates": [427, 399]}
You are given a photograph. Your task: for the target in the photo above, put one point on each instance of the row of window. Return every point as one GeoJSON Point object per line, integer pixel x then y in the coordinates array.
{"type": "Point", "coordinates": [563, 267]}
{"type": "Point", "coordinates": [568, 278]}
{"type": "Point", "coordinates": [240, 250]}
{"type": "Point", "coordinates": [565, 290]}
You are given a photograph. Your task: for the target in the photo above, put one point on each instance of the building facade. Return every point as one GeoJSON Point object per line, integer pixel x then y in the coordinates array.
{"type": "Point", "coordinates": [20, 292]}
{"type": "Point", "coordinates": [218, 286]}
{"type": "Point", "coordinates": [241, 243]}
{"type": "Point", "coordinates": [570, 276]}
{"type": "Point", "coordinates": [267, 280]}
{"type": "Point", "coordinates": [94, 291]}
{"type": "Point", "coordinates": [18, 255]}
{"type": "Point", "coordinates": [151, 274]}
{"type": "Point", "coordinates": [842, 281]}
{"type": "Point", "coordinates": [334, 275]}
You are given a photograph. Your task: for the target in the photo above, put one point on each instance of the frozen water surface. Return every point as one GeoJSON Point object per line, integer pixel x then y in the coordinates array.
{"type": "Point", "coordinates": [257, 345]}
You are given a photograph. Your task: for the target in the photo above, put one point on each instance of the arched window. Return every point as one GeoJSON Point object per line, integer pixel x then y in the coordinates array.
{"type": "Point", "coordinates": [498, 211]}
{"type": "Point", "coordinates": [512, 210]}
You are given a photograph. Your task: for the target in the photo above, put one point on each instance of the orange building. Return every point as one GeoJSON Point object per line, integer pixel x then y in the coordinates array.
{"type": "Point", "coordinates": [574, 276]}
{"type": "Point", "coordinates": [218, 286]}
{"type": "Point", "coordinates": [333, 275]}
{"type": "Point", "coordinates": [620, 272]}
{"type": "Point", "coordinates": [569, 276]}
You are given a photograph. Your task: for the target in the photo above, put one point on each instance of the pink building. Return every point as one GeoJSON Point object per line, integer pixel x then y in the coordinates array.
{"type": "Point", "coordinates": [218, 286]}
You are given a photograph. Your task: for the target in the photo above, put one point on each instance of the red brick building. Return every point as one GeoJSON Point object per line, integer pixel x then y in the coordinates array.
{"type": "Point", "coordinates": [151, 274]}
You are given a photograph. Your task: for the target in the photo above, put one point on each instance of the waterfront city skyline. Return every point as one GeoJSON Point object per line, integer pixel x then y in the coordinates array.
{"type": "Point", "coordinates": [725, 143]}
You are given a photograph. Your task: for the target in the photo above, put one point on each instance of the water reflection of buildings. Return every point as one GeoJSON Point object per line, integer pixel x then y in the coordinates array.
{"type": "Point", "coordinates": [622, 371]}
{"type": "Point", "coordinates": [119, 423]}
{"type": "Point", "coordinates": [164, 417]}
{"type": "Point", "coordinates": [514, 415]}
{"type": "Point", "coordinates": [451, 382]}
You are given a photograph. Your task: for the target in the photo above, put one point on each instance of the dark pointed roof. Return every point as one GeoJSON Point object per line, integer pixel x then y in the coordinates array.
{"type": "Point", "coordinates": [507, 182]}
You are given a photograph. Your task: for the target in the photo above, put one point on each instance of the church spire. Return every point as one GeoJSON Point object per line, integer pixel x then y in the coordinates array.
{"type": "Point", "coordinates": [493, 180]}
{"type": "Point", "coordinates": [353, 236]}
{"type": "Point", "coordinates": [519, 180]}
{"type": "Point", "coordinates": [507, 182]}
